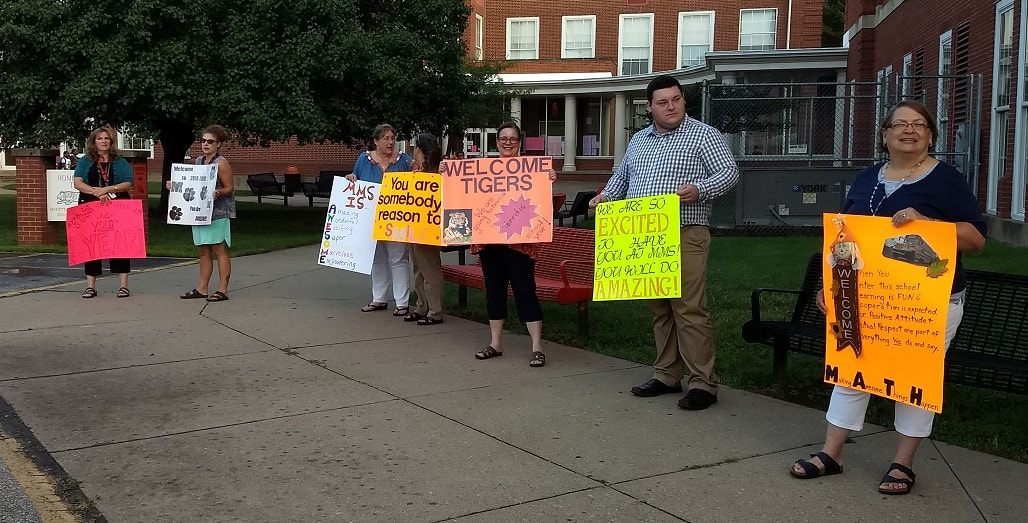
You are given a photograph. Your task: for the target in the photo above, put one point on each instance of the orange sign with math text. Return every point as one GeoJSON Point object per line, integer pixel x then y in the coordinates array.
{"type": "Point", "coordinates": [887, 294]}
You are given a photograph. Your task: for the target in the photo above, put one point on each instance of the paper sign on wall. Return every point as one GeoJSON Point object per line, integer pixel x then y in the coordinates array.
{"type": "Point", "coordinates": [887, 292]}
{"type": "Point", "coordinates": [98, 231]}
{"type": "Point", "coordinates": [60, 193]}
{"type": "Point", "coordinates": [638, 249]}
{"type": "Point", "coordinates": [191, 199]}
{"type": "Point", "coordinates": [346, 242]}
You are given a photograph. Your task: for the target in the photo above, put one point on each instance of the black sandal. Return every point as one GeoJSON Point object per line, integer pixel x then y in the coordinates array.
{"type": "Point", "coordinates": [413, 317]}
{"type": "Point", "coordinates": [400, 311]}
{"type": "Point", "coordinates": [124, 292]}
{"type": "Point", "coordinates": [428, 320]}
{"type": "Point", "coordinates": [811, 471]}
{"type": "Point", "coordinates": [192, 295]}
{"type": "Point", "coordinates": [908, 484]}
{"type": "Point", "coordinates": [538, 359]}
{"type": "Point", "coordinates": [89, 293]}
{"type": "Point", "coordinates": [218, 296]}
{"type": "Point", "coordinates": [488, 352]}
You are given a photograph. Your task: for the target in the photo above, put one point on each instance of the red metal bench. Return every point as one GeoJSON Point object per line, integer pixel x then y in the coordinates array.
{"type": "Point", "coordinates": [563, 273]}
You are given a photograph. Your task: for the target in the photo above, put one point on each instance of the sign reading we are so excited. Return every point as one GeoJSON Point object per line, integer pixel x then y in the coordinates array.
{"type": "Point", "coordinates": [638, 249]}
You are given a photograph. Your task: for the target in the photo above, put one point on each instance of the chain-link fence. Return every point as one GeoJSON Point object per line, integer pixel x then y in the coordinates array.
{"type": "Point", "coordinates": [799, 146]}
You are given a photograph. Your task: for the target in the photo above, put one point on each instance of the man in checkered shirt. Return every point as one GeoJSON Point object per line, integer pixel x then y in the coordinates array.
{"type": "Point", "coordinates": [689, 158]}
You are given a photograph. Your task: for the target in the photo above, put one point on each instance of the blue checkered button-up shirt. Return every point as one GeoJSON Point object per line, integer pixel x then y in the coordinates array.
{"type": "Point", "coordinates": [656, 163]}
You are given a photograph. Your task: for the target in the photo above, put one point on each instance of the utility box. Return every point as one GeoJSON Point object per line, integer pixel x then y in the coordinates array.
{"type": "Point", "coordinates": [791, 196]}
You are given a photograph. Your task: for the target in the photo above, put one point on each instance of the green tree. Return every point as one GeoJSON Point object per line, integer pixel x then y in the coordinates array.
{"type": "Point", "coordinates": [833, 19]}
{"type": "Point", "coordinates": [320, 70]}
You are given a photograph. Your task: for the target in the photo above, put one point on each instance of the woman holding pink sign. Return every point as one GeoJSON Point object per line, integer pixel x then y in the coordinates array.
{"type": "Point", "coordinates": [102, 175]}
{"type": "Point", "coordinates": [514, 265]}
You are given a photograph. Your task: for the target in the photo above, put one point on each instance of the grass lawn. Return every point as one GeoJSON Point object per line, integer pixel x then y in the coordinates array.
{"type": "Point", "coordinates": [973, 418]}
{"type": "Point", "coordinates": [154, 187]}
{"type": "Point", "coordinates": [258, 228]}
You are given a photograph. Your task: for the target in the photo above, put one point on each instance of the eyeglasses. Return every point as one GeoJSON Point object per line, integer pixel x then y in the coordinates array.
{"type": "Point", "coordinates": [508, 139]}
{"type": "Point", "coordinates": [902, 126]}
{"type": "Point", "coordinates": [207, 140]}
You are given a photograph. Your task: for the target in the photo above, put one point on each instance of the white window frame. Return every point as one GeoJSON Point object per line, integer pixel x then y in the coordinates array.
{"type": "Point", "coordinates": [564, 34]}
{"type": "Point", "coordinates": [942, 111]}
{"type": "Point", "coordinates": [998, 141]}
{"type": "Point", "coordinates": [907, 72]}
{"type": "Point", "coordinates": [774, 36]}
{"type": "Point", "coordinates": [479, 30]}
{"type": "Point", "coordinates": [534, 19]}
{"type": "Point", "coordinates": [883, 102]}
{"type": "Point", "coordinates": [621, 48]}
{"type": "Point", "coordinates": [1017, 194]}
{"type": "Point", "coordinates": [681, 18]}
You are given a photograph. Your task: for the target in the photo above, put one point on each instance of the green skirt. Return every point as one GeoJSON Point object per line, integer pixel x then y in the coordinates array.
{"type": "Point", "coordinates": [218, 231]}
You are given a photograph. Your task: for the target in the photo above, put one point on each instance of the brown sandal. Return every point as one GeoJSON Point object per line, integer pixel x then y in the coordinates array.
{"type": "Point", "coordinates": [218, 296]}
{"type": "Point", "coordinates": [488, 352]}
{"type": "Point", "coordinates": [192, 295]}
{"type": "Point", "coordinates": [89, 293]}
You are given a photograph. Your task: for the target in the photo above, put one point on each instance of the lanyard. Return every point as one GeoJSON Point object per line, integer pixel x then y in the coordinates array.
{"type": "Point", "coordinates": [103, 172]}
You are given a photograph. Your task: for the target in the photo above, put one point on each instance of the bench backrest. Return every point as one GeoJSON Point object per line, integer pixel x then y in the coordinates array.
{"type": "Point", "coordinates": [581, 203]}
{"type": "Point", "coordinates": [326, 178]}
{"type": "Point", "coordinates": [568, 244]}
{"type": "Point", "coordinates": [263, 177]}
{"type": "Point", "coordinates": [806, 310]}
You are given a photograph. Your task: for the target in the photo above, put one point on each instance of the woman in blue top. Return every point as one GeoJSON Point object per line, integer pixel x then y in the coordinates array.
{"type": "Point", "coordinates": [910, 186]}
{"type": "Point", "coordinates": [213, 240]}
{"type": "Point", "coordinates": [101, 175]}
{"type": "Point", "coordinates": [392, 259]}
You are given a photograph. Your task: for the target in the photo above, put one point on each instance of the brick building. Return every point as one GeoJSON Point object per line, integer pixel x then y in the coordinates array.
{"type": "Point", "coordinates": [967, 63]}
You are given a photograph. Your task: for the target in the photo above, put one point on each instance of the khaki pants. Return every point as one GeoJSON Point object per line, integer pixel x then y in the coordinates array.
{"type": "Point", "coordinates": [428, 281]}
{"type": "Point", "coordinates": [682, 327]}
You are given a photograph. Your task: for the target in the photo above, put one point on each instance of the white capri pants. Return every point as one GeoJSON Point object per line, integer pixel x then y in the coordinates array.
{"type": "Point", "coordinates": [391, 263]}
{"type": "Point", "coordinates": [848, 406]}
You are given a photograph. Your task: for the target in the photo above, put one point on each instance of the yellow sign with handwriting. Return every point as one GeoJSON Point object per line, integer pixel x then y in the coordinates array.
{"type": "Point", "coordinates": [638, 249]}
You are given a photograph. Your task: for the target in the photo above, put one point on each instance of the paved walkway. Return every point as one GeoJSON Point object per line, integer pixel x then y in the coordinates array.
{"type": "Point", "coordinates": [287, 404]}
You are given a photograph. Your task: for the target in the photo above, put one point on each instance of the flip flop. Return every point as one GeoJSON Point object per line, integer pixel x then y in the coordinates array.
{"type": "Point", "coordinates": [372, 307]}
{"type": "Point", "coordinates": [401, 311]}
{"type": "Point", "coordinates": [218, 296]}
{"type": "Point", "coordinates": [192, 295]}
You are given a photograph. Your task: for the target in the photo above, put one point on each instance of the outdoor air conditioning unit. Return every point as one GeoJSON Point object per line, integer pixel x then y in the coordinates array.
{"type": "Point", "coordinates": [791, 196]}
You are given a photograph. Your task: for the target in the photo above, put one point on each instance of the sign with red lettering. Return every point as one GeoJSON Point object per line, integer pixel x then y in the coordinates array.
{"type": "Point", "coordinates": [346, 242]}
{"type": "Point", "coordinates": [497, 200]}
{"type": "Point", "coordinates": [98, 231]}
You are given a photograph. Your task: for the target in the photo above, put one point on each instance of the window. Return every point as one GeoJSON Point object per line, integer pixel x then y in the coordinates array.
{"type": "Point", "coordinates": [523, 38]}
{"type": "Point", "coordinates": [695, 37]}
{"type": "Point", "coordinates": [757, 29]}
{"type": "Point", "coordinates": [130, 141]}
{"type": "Point", "coordinates": [478, 37]}
{"type": "Point", "coordinates": [942, 108]}
{"type": "Point", "coordinates": [908, 72]}
{"type": "Point", "coordinates": [1019, 192]}
{"type": "Point", "coordinates": [635, 43]}
{"type": "Point", "coordinates": [1001, 75]}
{"type": "Point", "coordinates": [578, 37]}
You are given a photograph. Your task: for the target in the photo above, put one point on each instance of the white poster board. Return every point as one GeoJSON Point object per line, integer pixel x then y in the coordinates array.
{"type": "Point", "coordinates": [346, 242]}
{"type": "Point", "coordinates": [191, 199]}
{"type": "Point", "coordinates": [60, 194]}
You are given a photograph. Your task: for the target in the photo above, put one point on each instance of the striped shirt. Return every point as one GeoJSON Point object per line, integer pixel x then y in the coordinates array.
{"type": "Point", "coordinates": [655, 164]}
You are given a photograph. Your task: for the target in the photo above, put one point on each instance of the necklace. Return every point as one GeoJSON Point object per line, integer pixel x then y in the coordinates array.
{"type": "Point", "coordinates": [911, 172]}
{"type": "Point", "coordinates": [885, 194]}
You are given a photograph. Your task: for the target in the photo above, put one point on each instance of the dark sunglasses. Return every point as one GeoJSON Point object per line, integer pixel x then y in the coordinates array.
{"type": "Point", "coordinates": [207, 140]}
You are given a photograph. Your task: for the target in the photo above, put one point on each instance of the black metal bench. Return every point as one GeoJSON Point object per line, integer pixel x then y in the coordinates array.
{"type": "Point", "coordinates": [576, 208]}
{"type": "Point", "coordinates": [322, 187]}
{"type": "Point", "coordinates": [989, 350]}
{"type": "Point", "coordinates": [266, 184]}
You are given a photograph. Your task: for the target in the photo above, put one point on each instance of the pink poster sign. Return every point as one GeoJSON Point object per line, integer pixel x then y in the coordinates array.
{"type": "Point", "coordinates": [99, 231]}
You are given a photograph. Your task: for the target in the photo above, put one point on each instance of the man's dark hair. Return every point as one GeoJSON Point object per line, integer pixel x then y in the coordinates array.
{"type": "Point", "coordinates": [661, 82]}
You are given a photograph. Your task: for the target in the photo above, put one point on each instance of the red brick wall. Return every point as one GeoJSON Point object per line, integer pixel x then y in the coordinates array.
{"type": "Point", "coordinates": [30, 178]}
{"type": "Point", "coordinates": [806, 28]}
{"type": "Point", "coordinates": [309, 159]}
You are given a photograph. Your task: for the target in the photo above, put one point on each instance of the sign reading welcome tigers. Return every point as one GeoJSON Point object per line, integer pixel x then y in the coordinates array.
{"type": "Point", "coordinates": [481, 200]}
{"type": "Point", "coordinates": [887, 294]}
{"type": "Point", "coordinates": [638, 249]}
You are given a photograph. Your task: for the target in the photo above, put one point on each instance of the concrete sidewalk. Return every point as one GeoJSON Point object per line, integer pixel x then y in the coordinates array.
{"type": "Point", "coordinates": [286, 403]}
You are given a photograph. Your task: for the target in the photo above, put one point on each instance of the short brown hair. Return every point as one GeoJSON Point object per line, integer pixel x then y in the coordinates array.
{"type": "Point", "coordinates": [916, 106]}
{"type": "Point", "coordinates": [219, 132]}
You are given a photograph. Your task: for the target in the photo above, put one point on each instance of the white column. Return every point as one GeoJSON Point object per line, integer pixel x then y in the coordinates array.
{"type": "Point", "coordinates": [620, 131]}
{"type": "Point", "coordinates": [515, 110]}
{"type": "Point", "coordinates": [570, 132]}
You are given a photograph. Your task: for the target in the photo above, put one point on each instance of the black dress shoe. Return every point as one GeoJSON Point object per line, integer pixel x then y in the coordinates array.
{"type": "Point", "coordinates": [654, 387]}
{"type": "Point", "coordinates": [697, 399]}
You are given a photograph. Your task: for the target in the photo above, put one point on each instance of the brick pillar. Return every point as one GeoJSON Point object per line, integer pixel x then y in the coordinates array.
{"type": "Point", "coordinates": [137, 159]}
{"type": "Point", "coordinates": [30, 180]}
